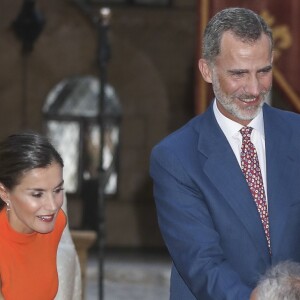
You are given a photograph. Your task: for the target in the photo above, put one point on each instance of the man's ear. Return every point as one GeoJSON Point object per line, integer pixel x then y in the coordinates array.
{"type": "Point", "coordinates": [205, 70]}
{"type": "Point", "coordinates": [4, 195]}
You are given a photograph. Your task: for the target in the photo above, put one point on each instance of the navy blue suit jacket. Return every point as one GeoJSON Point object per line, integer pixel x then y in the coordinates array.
{"type": "Point", "coordinates": [207, 215]}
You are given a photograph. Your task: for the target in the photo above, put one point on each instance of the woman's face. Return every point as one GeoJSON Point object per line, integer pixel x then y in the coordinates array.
{"type": "Point", "coordinates": [35, 201]}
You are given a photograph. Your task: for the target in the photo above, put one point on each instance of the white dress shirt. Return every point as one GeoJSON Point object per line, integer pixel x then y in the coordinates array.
{"type": "Point", "coordinates": [231, 129]}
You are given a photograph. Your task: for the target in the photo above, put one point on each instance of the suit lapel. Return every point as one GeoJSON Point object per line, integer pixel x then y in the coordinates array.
{"type": "Point", "coordinates": [224, 172]}
{"type": "Point", "coordinates": [280, 171]}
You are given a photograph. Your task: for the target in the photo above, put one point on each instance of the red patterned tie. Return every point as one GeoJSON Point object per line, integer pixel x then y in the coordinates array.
{"type": "Point", "coordinates": [251, 169]}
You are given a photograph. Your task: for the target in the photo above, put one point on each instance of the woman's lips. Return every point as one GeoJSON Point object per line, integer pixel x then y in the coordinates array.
{"type": "Point", "coordinates": [46, 218]}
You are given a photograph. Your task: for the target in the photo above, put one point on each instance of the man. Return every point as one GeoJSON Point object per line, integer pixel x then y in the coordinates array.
{"type": "Point", "coordinates": [227, 197]}
{"type": "Point", "coordinates": [281, 282]}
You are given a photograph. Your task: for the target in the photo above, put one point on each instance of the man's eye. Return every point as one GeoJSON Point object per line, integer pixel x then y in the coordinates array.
{"type": "Point", "coordinates": [265, 71]}
{"type": "Point", "coordinates": [237, 74]}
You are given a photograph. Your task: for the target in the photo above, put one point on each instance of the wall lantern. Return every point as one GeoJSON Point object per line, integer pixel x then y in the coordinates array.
{"type": "Point", "coordinates": [71, 114]}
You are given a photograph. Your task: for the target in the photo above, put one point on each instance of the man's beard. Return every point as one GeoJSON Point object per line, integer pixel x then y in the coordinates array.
{"type": "Point", "coordinates": [229, 104]}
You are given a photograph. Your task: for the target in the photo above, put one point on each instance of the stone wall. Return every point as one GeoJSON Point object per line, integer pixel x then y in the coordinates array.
{"type": "Point", "coordinates": [151, 68]}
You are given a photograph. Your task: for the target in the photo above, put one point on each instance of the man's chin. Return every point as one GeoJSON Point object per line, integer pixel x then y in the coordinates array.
{"type": "Point", "coordinates": [248, 114]}
{"type": "Point", "coordinates": [247, 117]}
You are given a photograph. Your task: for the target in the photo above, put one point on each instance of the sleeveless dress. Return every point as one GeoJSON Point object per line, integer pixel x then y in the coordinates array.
{"type": "Point", "coordinates": [28, 261]}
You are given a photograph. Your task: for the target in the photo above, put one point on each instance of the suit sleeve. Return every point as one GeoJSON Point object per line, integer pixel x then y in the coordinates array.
{"type": "Point", "coordinates": [189, 233]}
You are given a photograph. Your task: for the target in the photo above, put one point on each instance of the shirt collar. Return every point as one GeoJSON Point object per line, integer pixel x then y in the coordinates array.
{"type": "Point", "coordinates": [231, 128]}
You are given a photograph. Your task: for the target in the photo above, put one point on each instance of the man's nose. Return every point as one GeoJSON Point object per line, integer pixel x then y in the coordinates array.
{"type": "Point", "coordinates": [252, 86]}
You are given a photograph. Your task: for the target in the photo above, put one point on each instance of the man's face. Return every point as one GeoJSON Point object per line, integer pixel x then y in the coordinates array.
{"type": "Point", "coordinates": [241, 77]}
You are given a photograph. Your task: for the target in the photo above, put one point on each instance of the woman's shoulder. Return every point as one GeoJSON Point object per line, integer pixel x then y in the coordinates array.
{"type": "Point", "coordinates": [61, 220]}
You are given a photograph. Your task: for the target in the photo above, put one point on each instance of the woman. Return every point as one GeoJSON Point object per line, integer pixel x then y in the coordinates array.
{"type": "Point", "coordinates": [31, 219]}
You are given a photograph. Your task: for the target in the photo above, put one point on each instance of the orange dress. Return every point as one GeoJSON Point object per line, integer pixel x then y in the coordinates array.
{"type": "Point", "coordinates": [28, 261]}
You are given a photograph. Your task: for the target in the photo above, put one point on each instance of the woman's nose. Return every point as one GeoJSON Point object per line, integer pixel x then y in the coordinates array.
{"type": "Point", "coordinates": [51, 203]}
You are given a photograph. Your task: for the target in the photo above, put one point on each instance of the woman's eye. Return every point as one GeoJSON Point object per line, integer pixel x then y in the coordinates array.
{"type": "Point", "coordinates": [37, 195]}
{"type": "Point", "coordinates": [57, 191]}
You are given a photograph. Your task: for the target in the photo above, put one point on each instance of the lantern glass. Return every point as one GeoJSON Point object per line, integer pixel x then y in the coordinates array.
{"type": "Point", "coordinates": [73, 125]}
{"type": "Point", "coordinates": [91, 165]}
{"type": "Point", "coordinates": [65, 137]}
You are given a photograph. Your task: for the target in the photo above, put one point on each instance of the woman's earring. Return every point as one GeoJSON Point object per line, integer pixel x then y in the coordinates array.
{"type": "Point", "coordinates": [7, 206]}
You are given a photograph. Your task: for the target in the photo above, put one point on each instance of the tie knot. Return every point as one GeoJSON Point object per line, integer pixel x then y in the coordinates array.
{"type": "Point", "coordinates": [246, 132]}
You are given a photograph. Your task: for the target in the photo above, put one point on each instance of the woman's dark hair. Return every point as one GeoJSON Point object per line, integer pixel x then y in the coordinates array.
{"type": "Point", "coordinates": [20, 153]}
